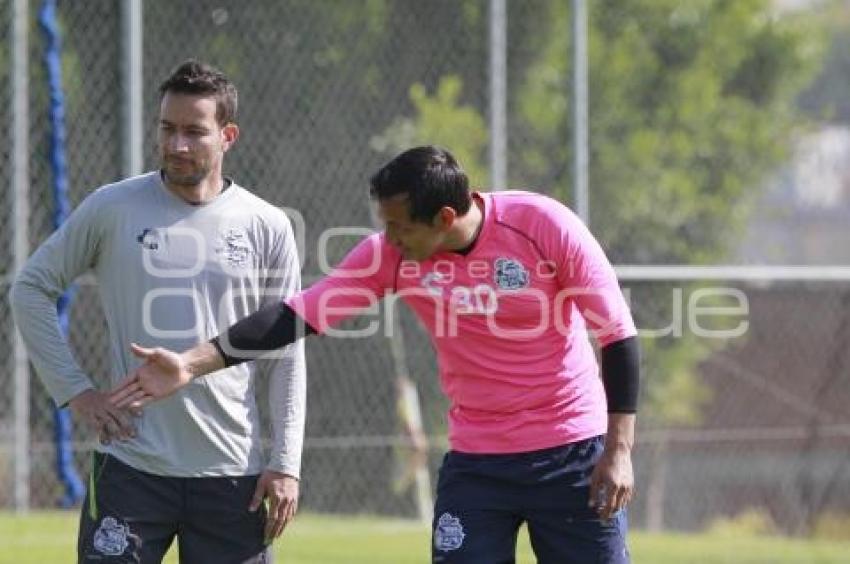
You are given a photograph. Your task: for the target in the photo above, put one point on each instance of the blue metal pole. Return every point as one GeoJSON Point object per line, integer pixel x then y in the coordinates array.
{"type": "Point", "coordinates": [67, 474]}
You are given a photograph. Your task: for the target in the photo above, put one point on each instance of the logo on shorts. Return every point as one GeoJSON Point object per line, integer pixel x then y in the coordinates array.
{"type": "Point", "coordinates": [111, 537]}
{"type": "Point", "coordinates": [449, 533]}
{"type": "Point", "coordinates": [510, 274]}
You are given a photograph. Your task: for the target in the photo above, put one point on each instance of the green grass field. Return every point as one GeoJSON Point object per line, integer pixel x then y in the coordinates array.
{"type": "Point", "coordinates": [49, 537]}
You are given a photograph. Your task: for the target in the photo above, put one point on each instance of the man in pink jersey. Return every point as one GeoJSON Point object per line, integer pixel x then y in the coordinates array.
{"type": "Point", "coordinates": [508, 285]}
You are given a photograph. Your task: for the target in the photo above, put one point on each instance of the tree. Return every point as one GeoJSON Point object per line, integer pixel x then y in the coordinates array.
{"type": "Point", "coordinates": [440, 119]}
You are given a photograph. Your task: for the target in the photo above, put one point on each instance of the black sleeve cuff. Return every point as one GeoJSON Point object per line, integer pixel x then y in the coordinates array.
{"type": "Point", "coordinates": [271, 327]}
{"type": "Point", "coordinates": [620, 364]}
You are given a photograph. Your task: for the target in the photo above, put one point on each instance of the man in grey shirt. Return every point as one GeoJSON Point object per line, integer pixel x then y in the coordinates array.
{"type": "Point", "coordinates": [179, 254]}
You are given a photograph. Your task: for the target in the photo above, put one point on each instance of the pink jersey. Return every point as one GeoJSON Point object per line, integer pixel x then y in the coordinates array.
{"type": "Point", "coordinates": [508, 321]}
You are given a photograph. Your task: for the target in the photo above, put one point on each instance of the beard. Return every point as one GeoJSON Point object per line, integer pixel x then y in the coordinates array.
{"type": "Point", "coordinates": [184, 172]}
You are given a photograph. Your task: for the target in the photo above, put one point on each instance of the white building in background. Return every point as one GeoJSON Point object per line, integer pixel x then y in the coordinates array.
{"type": "Point", "coordinates": [803, 217]}
{"type": "Point", "coordinates": [783, 6]}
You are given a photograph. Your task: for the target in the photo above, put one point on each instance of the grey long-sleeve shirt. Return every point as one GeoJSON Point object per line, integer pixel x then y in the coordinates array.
{"type": "Point", "coordinates": [173, 274]}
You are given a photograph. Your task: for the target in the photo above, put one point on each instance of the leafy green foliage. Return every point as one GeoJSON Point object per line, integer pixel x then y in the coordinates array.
{"type": "Point", "coordinates": [441, 119]}
{"type": "Point", "coordinates": [692, 104]}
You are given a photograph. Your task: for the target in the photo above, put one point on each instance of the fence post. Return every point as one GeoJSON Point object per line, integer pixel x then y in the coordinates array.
{"type": "Point", "coordinates": [20, 246]}
{"type": "Point", "coordinates": [498, 95]}
{"type": "Point", "coordinates": [131, 77]}
{"type": "Point", "coordinates": [580, 129]}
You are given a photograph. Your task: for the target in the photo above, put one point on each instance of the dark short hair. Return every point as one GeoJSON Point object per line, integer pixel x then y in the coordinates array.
{"type": "Point", "coordinates": [429, 176]}
{"type": "Point", "coordinates": [201, 79]}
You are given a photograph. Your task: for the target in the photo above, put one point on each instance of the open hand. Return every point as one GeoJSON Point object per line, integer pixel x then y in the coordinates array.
{"type": "Point", "coordinates": [162, 374]}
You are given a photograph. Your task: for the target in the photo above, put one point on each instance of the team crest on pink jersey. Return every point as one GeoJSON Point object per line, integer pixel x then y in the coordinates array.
{"type": "Point", "coordinates": [510, 274]}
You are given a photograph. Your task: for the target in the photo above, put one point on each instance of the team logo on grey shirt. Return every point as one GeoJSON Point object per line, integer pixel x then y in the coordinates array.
{"type": "Point", "coordinates": [234, 247]}
{"type": "Point", "coordinates": [148, 239]}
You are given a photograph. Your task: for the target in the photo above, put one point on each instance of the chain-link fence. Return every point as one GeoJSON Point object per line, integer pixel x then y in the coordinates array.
{"type": "Point", "coordinates": [6, 250]}
{"type": "Point", "coordinates": [6, 431]}
{"type": "Point", "coordinates": [749, 414]}
{"type": "Point", "coordinates": [685, 126]}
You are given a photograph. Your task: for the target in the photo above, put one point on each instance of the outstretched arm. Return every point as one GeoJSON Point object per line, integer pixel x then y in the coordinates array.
{"type": "Point", "coordinates": [355, 284]}
{"type": "Point", "coordinates": [164, 372]}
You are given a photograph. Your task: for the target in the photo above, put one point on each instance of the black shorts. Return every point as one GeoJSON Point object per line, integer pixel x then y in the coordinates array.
{"type": "Point", "coordinates": [133, 516]}
{"type": "Point", "coordinates": [482, 499]}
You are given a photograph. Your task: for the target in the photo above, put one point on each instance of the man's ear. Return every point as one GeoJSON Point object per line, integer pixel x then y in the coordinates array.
{"type": "Point", "coordinates": [445, 218]}
{"type": "Point", "coordinates": [229, 134]}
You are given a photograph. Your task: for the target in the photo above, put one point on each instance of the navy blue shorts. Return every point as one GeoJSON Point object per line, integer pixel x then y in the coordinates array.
{"type": "Point", "coordinates": [482, 499]}
{"type": "Point", "coordinates": [132, 517]}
